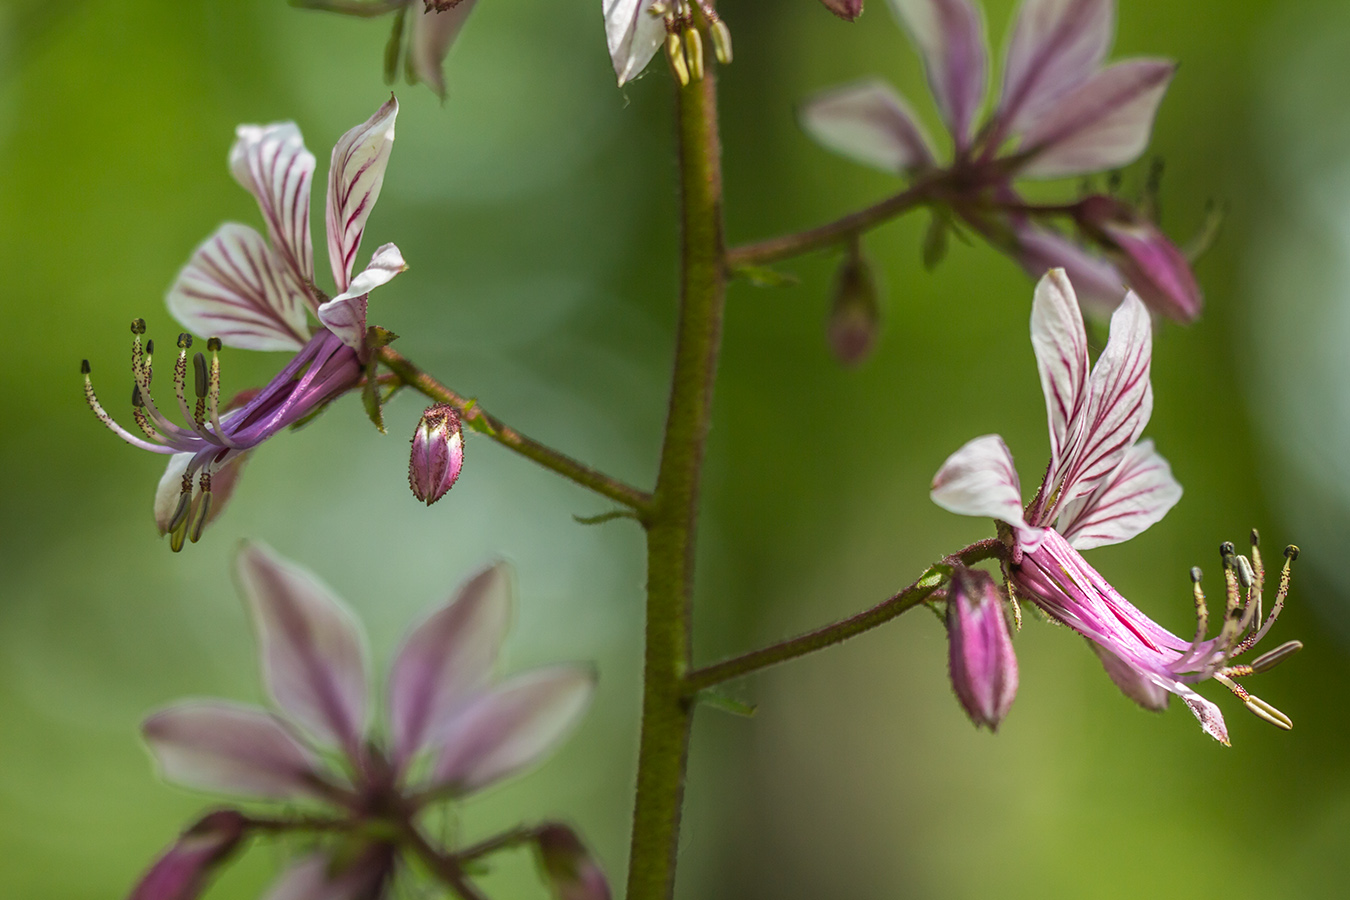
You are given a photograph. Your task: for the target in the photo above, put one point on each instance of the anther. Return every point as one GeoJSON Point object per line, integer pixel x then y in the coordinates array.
{"type": "Point", "coordinates": [675, 54]}
{"type": "Point", "coordinates": [1196, 574]}
{"type": "Point", "coordinates": [1256, 538]}
{"type": "Point", "coordinates": [84, 367]}
{"type": "Point", "coordinates": [1267, 661]}
{"type": "Point", "coordinates": [1291, 553]}
{"type": "Point", "coordinates": [199, 375]}
{"type": "Point", "coordinates": [721, 38]}
{"type": "Point", "coordinates": [1226, 549]}
{"type": "Point", "coordinates": [138, 326]}
{"type": "Point", "coordinates": [693, 51]}
{"type": "Point", "coordinates": [184, 341]}
{"type": "Point", "coordinates": [149, 348]}
{"type": "Point", "coordinates": [1264, 710]}
{"type": "Point", "coordinates": [136, 400]}
{"type": "Point", "coordinates": [1245, 575]}
{"type": "Point", "coordinates": [201, 508]}
{"type": "Point", "coordinates": [214, 344]}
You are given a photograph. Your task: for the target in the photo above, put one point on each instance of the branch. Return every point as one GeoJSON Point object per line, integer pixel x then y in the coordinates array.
{"type": "Point", "coordinates": [836, 632]}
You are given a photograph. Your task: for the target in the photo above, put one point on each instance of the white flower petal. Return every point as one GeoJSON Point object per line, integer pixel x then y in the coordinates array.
{"type": "Point", "coordinates": [1139, 493]}
{"type": "Point", "coordinates": [980, 480]}
{"type": "Point", "coordinates": [345, 314]}
{"type": "Point", "coordinates": [235, 288]}
{"type": "Point", "coordinates": [869, 122]}
{"type": "Point", "coordinates": [633, 35]}
{"type": "Point", "coordinates": [950, 37]}
{"type": "Point", "coordinates": [224, 477]}
{"type": "Point", "coordinates": [1056, 46]}
{"type": "Point", "coordinates": [355, 177]}
{"type": "Point", "coordinates": [272, 163]}
{"type": "Point", "coordinates": [432, 34]}
{"type": "Point", "coordinates": [1060, 343]}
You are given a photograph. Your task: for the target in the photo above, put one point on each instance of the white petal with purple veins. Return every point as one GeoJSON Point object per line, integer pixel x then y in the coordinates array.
{"type": "Point", "coordinates": [355, 177]}
{"type": "Point", "coordinates": [235, 288]}
{"type": "Point", "coordinates": [980, 480]}
{"type": "Point", "coordinates": [234, 749]}
{"type": "Point", "coordinates": [1104, 124]}
{"type": "Point", "coordinates": [447, 659]}
{"type": "Point", "coordinates": [870, 123]}
{"type": "Point", "coordinates": [345, 314]}
{"type": "Point", "coordinates": [1139, 493]}
{"type": "Point", "coordinates": [633, 35]}
{"type": "Point", "coordinates": [432, 34]}
{"type": "Point", "coordinates": [272, 163]}
{"type": "Point", "coordinates": [950, 37]}
{"type": "Point", "coordinates": [510, 727]}
{"type": "Point", "coordinates": [1056, 46]}
{"type": "Point", "coordinates": [312, 648]}
{"type": "Point", "coordinates": [1060, 343]}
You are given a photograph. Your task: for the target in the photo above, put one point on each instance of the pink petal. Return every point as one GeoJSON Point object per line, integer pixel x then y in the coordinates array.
{"type": "Point", "coordinates": [1137, 494]}
{"type": "Point", "coordinates": [235, 288]}
{"type": "Point", "coordinates": [1103, 124]}
{"type": "Point", "coordinates": [633, 35]}
{"type": "Point", "coordinates": [184, 869]}
{"type": "Point", "coordinates": [229, 748]}
{"type": "Point", "coordinates": [1098, 285]}
{"type": "Point", "coordinates": [1060, 343]}
{"type": "Point", "coordinates": [1211, 719]}
{"type": "Point", "coordinates": [345, 314]}
{"type": "Point", "coordinates": [950, 37]}
{"type": "Point", "coordinates": [272, 163]}
{"type": "Point", "coordinates": [1136, 683]}
{"type": "Point", "coordinates": [319, 876]}
{"type": "Point", "coordinates": [510, 727]}
{"type": "Point", "coordinates": [869, 122]}
{"type": "Point", "coordinates": [980, 480]}
{"type": "Point", "coordinates": [432, 34]}
{"type": "Point", "coordinates": [447, 659]}
{"type": "Point", "coordinates": [312, 647]}
{"type": "Point", "coordinates": [355, 177]}
{"type": "Point", "coordinates": [848, 10]}
{"type": "Point", "coordinates": [1156, 269]}
{"type": "Point", "coordinates": [980, 657]}
{"type": "Point", "coordinates": [1056, 46]}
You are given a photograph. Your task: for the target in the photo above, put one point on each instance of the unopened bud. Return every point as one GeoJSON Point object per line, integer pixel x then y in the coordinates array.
{"type": "Point", "coordinates": [570, 869]}
{"type": "Point", "coordinates": [855, 313]}
{"type": "Point", "coordinates": [437, 453]}
{"type": "Point", "coordinates": [1150, 263]}
{"type": "Point", "coordinates": [848, 10]}
{"type": "Point", "coordinates": [184, 869]}
{"type": "Point", "coordinates": [981, 660]}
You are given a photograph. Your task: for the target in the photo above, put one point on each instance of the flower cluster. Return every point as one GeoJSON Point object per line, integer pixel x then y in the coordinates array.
{"type": "Point", "coordinates": [636, 29]}
{"type": "Point", "coordinates": [1060, 113]}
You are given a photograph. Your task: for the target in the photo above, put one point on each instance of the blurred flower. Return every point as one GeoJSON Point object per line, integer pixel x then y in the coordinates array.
{"type": "Point", "coordinates": [1060, 113]}
{"type": "Point", "coordinates": [636, 29]}
{"type": "Point", "coordinates": [572, 872]}
{"type": "Point", "coordinates": [1102, 486]}
{"type": "Point", "coordinates": [182, 872]}
{"type": "Point", "coordinates": [855, 313]}
{"type": "Point", "coordinates": [847, 10]}
{"type": "Point", "coordinates": [256, 293]}
{"type": "Point", "coordinates": [453, 729]}
{"type": "Point", "coordinates": [980, 652]}
{"type": "Point", "coordinates": [437, 453]}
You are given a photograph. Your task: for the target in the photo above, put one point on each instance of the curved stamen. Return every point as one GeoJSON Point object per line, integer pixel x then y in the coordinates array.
{"type": "Point", "coordinates": [108, 420]}
{"type": "Point", "coordinates": [180, 389]}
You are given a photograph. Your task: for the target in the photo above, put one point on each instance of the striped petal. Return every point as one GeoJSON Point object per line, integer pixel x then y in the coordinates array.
{"type": "Point", "coordinates": [510, 727]}
{"type": "Point", "coordinates": [233, 749]}
{"type": "Point", "coordinates": [355, 177]}
{"type": "Point", "coordinates": [433, 32]}
{"type": "Point", "coordinates": [1139, 493]}
{"type": "Point", "coordinates": [312, 648]}
{"type": "Point", "coordinates": [1104, 124]}
{"type": "Point", "coordinates": [980, 480]}
{"type": "Point", "coordinates": [345, 314]}
{"type": "Point", "coordinates": [950, 37]}
{"type": "Point", "coordinates": [1060, 343]}
{"type": "Point", "coordinates": [870, 123]}
{"type": "Point", "coordinates": [1056, 46]}
{"type": "Point", "coordinates": [447, 659]}
{"type": "Point", "coordinates": [272, 163]}
{"type": "Point", "coordinates": [633, 35]}
{"type": "Point", "coordinates": [235, 288]}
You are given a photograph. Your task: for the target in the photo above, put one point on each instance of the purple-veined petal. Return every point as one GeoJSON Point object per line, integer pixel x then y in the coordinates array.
{"type": "Point", "coordinates": [633, 35]}
{"type": "Point", "coordinates": [233, 749]}
{"type": "Point", "coordinates": [1120, 401]}
{"type": "Point", "coordinates": [1056, 46]}
{"type": "Point", "coordinates": [272, 163]}
{"type": "Point", "coordinates": [510, 727]}
{"type": "Point", "coordinates": [1104, 124]}
{"type": "Point", "coordinates": [312, 648]}
{"type": "Point", "coordinates": [1098, 285]}
{"type": "Point", "coordinates": [1060, 343]}
{"type": "Point", "coordinates": [345, 314]}
{"type": "Point", "coordinates": [1136, 683]}
{"type": "Point", "coordinates": [1208, 714]}
{"type": "Point", "coordinates": [868, 122]}
{"type": "Point", "coordinates": [447, 659]}
{"type": "Point", "coordinates": [182, 872]}
{"type": "Point", "coordinates": [235, 288]}
{"type": "Point", "coordinates": [1137, 494]}
{"type": "Point", "coordinates": [432, 34]}
{"type": "Point", "coordinates": [950, 37]}
{"type": "Point", "coordinates": [355, 177]}
{"type": "Point", "coordinates": [980, 480]}
{"type": "Point", "coordinates": [224, 477]}
{"type": "Point", "coordinates": [319, 876]}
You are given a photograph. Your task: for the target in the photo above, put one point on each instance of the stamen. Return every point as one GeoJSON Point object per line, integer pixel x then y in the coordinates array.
{"type": "Point", "coordinates": [1260, 708]}
{"type": "Point", "coordinates": [199, 387]}
{"type": "Point", "coordinates": [1201, 610]}
{"type": "Point", "coordinates": [675, 55]}
{"type": "Point", "coordinates": [721, 38]}
{"type": "Point", "coordinates": [693, 52]}
{"type": "Point", "coordinates": [1267, 661]}
{"type": "Point", "coordinates": [184, 500]}
{"type": "Point", "coordinates": [1290, 554]}
{"type": "Point", "coordinates": [92, 399]}
{"type": "Point", "coordinates": [201, 508]}
{"type": "Point", "coordinates": [213, 394]}
{"type": "Point", "coordinates": [149, 354]}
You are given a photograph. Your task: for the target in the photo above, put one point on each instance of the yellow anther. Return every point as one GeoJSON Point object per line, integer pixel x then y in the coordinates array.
{"type": "Point", "coordinates": [721, 38]}
{"type": "Point", "coordinates": [693, 52]}
{"type": "Point", "coordinates": [675, 54]}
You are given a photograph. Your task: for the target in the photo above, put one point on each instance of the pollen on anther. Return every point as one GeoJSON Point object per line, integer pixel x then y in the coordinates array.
{"type": "Point", "coordinates": [1227, 548]}
{"type": "Point", "coordinates": [213, 344]}
{"type": "Point", "coordinates": [1291, 552]}
{"type": "Point", "coordinates": [184, 341]}
{"type": "Point", "coordinates": [138, 326]}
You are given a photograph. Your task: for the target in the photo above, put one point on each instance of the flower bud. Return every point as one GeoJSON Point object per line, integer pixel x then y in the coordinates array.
{"type": "Point", "coordinates": [1150, 263]}
{"type": "Point", "coordinates": [983, 666]}
{"type": "Point", "coordinates": [437, 453]}
{"type": "Point", "coordinates": [572, 872]}
{"type": "Point", "coordinates": [848, 10]}
{"type": "Point", "coordinates": [181, 873]}
{"type": "Point", "coordinates": [855, 314]}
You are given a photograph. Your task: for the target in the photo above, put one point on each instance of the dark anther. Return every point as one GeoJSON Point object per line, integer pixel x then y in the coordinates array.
{"type": "Point", "coordinates": [136, 400]}
{"type": "Point", "coordinates": [1291, 552]}
{"type": "Point", "coordinates": [1195, 574]}
{"type": "Point", "coordinates": [1227, 549]}
{"type": "Point", "coordinates": [84, 367]}
{"type": "Point", "coordinates": [184, 341]}
{"type": "Point", "coordinates": [138, 326]}
{"type": "Point", "coordinates": [213, 344]}
{"type": "Point", "coordinates": [199, 375]}
{"type": "Point", "coordinates": [1256, 538]}
{"type": "Point", "coordinates": [150, 348]}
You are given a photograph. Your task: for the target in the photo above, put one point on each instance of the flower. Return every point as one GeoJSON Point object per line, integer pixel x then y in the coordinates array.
{"type": "Point", "coordinates": [257, 293]}
{"type": "Point", "coordinates": [1102, 486]}
{"type": "Point", "coordinates": [980, 658]}
{"type": "Point", "coordinates": [635, 29]}
{"type": "Point", "coordinates": [1060, 113]}
{"type": "Point", "coordinates": [437, 453]}
{"type": "Point", "coordinates": [571, 870]}
{"type": "Point", "coordinates": [452, 729]}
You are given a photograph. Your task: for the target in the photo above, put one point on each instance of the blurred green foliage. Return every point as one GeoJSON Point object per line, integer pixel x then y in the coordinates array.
{"type": "Point", "coordinates": [536, 209]}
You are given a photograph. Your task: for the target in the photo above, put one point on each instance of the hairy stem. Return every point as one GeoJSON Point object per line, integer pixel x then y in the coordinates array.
{"type": "Point", "coordinates": [446, 868]}
{"type": "Point", "coordinates": [475, 416]}
{"type": "Point", "coordinates": [666, 712]}
{"type": "Point", "coordinates": [836, 632]}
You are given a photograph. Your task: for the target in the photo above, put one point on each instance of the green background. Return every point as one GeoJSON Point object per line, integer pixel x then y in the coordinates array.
{"type": "Point", "coordinates": [536, 209]}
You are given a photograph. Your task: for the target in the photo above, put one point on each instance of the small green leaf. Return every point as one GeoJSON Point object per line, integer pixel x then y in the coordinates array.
{"type": "Point", "coordinates": [394, 49]}
{"type": "Point", "coordinates": [605, 517]}
{"type": "Point", "coordinates": [370, 394]}
{"type": "Point", "coordinates": [377, 337]}
{"type": "Point", "coordinates": [763, 276]}
{"type": "Point", "coordinates": [718, 700]}
{"type": "Point", "coordinates": [478, 423]}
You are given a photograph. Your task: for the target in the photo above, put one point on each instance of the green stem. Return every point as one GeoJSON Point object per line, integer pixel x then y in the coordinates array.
{"type": "Point", "coordinates": [666, 712]}
{"type": "Point", "coordinates": [446, 868]}
{"type": "Point", "coordinates": [475, 416]}
{"type": "Point", "coordinates": [836, 632]}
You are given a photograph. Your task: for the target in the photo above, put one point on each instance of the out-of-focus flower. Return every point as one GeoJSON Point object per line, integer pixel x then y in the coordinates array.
{"type": "Point", "coordinates": [636, 29]}
{"type": "Point", "coordinates": [257, 293]}
{"type": "Point", "coordinates": [571, 870]}
{"type": "Point", "coordinates": [184, 869]}
{"type": "Point", "coordinates": [453, 728]}
{"type": "Point", "coordinates": [855, 313]}
{"type": "Point", "coordinates": [980, 652]}
{"type": "Point", "coordinates": [437, 453]}
{"type": "Point", "coordinates": [1060, 113]}
{"type": "Point", "coordinates": [1104, 486]}
{"type": "Point", "coordinates": [848, 10]}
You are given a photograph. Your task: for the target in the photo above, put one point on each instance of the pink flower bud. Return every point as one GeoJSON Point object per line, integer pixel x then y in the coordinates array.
{"type": "Point", "coordinates": [181, 873]}
{"type": "Point", "coordinates": [855, 314]}
{"type": "Point", "coordinates": [437, 453]}
{"type": "Point", "coordinates": [572, 872]}
{"type": "Point", "coordinates": [847, 10]}
{"type": "Point", "coordinates": [1150, 263]}
{"type": "Point", "coordinates": [983, 667]}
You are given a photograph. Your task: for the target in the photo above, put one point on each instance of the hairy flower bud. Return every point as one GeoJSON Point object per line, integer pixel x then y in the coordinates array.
{"type": "Point", "coordinates": [855, 313]}
{"type": "Point", "coordinates": [437, 453]}
{"type": "Point", "coordinates": [182, 872]}
{"type": "Point", "coordinates": [572, 872]}
{"type": "Point", "coordinates": [1150, 263]}
{"type": "Point", "coordinates": [848, 10]}
{"type": "Point", "coordinates": [983, 667]}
